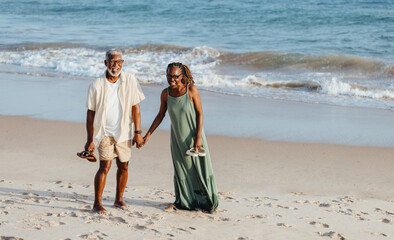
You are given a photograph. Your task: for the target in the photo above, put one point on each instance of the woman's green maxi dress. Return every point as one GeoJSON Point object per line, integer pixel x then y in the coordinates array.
{"type": "Point", "coordinates": [195, 185]}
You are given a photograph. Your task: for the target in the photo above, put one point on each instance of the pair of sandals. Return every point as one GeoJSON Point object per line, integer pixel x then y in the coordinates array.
{"type": "Point", "coordinates": [191, 152]}
{"type": "Point", "coordinates": [88, 156]}
{"type": "Point", "coordinates": [196, 153]}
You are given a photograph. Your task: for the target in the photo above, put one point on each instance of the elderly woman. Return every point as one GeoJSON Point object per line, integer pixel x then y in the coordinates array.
{"type": "Point", "coordinates": [195, 185]}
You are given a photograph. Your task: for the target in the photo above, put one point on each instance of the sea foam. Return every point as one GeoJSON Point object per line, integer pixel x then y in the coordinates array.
{"type": "Point", "coordinates": [333, 79]}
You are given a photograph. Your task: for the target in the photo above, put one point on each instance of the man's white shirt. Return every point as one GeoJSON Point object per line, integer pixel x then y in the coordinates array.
{"type": "Point", "coordinates": [113, 110]}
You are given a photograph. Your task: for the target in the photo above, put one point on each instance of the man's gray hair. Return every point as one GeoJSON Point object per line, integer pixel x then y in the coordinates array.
{"type": "Point", "coordinates": [112, 52]}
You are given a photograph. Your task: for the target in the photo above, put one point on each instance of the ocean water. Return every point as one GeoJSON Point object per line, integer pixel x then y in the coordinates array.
{"type": "Point", "coordinates": [325, 52]}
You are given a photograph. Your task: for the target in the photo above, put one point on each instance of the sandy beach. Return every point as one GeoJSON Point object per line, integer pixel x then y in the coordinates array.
{"type": "Point", "coordinates": [298, 106]}
{"type": "Point", "coordinates": [268, 189]}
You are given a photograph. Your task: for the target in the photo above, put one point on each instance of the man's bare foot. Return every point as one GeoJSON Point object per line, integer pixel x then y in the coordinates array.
{"type": "Point", "coordinates": [171, 208]}
{"type": "Point", "coordinates": [100, 210]}
{"type": "Point", "coordinates": [120, 205]}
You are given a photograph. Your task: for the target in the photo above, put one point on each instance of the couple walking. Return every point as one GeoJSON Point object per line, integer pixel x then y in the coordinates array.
{"type": "Point", "coordinates": [113, 123]}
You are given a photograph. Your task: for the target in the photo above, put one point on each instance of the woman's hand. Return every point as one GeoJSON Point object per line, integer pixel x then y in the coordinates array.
{"type": "Point", "coordinates": [198, 144]}
{"type": "Point", "coordinates": [146, 138]}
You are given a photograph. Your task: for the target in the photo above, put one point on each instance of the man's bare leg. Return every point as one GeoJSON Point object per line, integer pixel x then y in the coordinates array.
{"type": "Point", "coordinates": [121, 181]}
{"type": "Point", "coordinates": [99, 184]}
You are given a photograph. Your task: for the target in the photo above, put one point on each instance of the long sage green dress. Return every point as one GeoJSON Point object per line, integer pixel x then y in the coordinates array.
{"type": "Point", "coordinates": [195, 185]}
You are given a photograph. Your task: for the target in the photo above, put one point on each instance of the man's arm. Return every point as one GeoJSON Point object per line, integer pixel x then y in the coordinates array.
{"type": "Point", "coordinates": [89, 146]}
{"type": "Point", "coordinates": [136, 115]}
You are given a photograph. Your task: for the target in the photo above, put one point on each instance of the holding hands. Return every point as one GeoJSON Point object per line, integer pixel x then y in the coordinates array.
{"type": "Point", "coordinates": [146, 137]}
{"type": "Point", "coordinates": [138, 140]}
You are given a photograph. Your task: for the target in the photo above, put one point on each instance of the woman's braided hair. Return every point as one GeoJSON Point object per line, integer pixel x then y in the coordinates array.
{"type": "Point", "coordinates": [187, 75]}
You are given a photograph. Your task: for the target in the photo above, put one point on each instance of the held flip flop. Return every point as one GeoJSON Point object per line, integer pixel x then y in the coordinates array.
{"type": "Point", "coordinates": [199, 153]}
{"type": "Point", "coordinates": [89, 156]}
{"type": "Point", "coordinates": [192, 152]}
{"type": "Point", "coordinates": [202, 152]}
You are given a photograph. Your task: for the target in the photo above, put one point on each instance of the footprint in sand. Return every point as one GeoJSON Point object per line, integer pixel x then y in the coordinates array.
{"type": "Point", "coordinates": [64, 184]}
{"type": "Point", "coordinates": [379, 210]}
{"type": "Point", "coordinates": [302, 201]}
{"type": "Point", "coordinates": [258, 216]}
{"type": "Point", "coordinates": [270, 198]}
{"type": "Point", "coordinates": [8, 201]}
{"type": "Point", "coordinates": [331, 235]}
{"type": "Point", "coordinates": [140, 227]}
{"type": "Point", "coordinates": [226, 196]}
{"type": "Point", "coordinates": [283, 225]}
{"type": "Point", "coordinates": [95, 235]}
{"type": "Point", "coordinates": [385, 220]}
{"type": "Point", "coordinates": [221, 210]}
{"type": "Point", "coordinates": [297, 193]}
{"type": "Point", "coordinates": [224, 219]}
{"type": "Point", "coordinates": [379, 234]}
{"type": "Point", "coordinates": [30, 194]}
{"type": "Point", "coordinates": [346, 199]}
{"type": "Point", "coordinates": [221, 219]}
{"type": "Point", "coordinates": [345, 212]}
{"type": "Point", "coordinates": [325, 205]}
{"type": "Point", "coordinates": [39, 223]}
{"type": "Point", "coordinates": [319, 224]}
{"type": "Point", "coordinates": [357, 215]}
{"type": "Point", "coordinates": [46, 214]}
{"type": "Point", "coordinates": [285, 207]}
{"type": "Point", "coordinates": [118, 220]}
{"type": "Point", "coordinates": [10, 238]}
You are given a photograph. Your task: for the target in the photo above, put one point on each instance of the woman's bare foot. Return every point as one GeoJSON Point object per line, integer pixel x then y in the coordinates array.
{"type": "Point", "coordinates": [171, 208]}
{"type": "Point", "coordinates": [99, 209]}
{"type": "Point", "coordinates": [120, 205]}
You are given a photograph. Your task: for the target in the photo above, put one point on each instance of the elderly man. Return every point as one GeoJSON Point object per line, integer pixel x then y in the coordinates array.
{"type": "Point", "coordinates": [113, 110]}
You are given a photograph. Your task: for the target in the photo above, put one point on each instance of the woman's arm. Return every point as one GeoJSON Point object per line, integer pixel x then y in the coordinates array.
{"type": "Point", "coordinates": [195, 97]}
{"type": "Point", "coordinates": [160, 115]}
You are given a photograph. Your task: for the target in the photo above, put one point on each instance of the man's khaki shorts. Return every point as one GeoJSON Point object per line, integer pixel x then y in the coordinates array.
{"type": "Point", "coordinates": [110, 149]}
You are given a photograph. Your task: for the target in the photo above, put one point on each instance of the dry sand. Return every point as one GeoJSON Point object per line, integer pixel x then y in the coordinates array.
{"type": "Point", "coordinates": [268, 190]}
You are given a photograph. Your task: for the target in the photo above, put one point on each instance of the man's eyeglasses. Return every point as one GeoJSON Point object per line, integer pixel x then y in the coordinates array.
{"type": "Point", "coordinates": [118, 62]}
{"type": "Point", "coordinates": [173, 76]}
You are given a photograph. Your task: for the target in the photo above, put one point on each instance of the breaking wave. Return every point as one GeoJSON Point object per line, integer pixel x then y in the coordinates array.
{"type": "Point", "coordinates": [294, 76]}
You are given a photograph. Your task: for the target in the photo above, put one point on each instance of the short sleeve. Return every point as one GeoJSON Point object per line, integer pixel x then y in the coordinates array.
{"type": "Point", "coordinates": [91, 99]}
{"type": "Point", "coordinates": [137, 94]}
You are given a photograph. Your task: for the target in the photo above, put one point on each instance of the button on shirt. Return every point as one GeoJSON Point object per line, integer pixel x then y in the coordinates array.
{"type": "Point", "coordinates": [129, 94]}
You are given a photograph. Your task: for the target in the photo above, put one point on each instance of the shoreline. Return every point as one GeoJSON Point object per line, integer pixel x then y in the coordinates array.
{"type": "Point", "coordinates": [226, 115]}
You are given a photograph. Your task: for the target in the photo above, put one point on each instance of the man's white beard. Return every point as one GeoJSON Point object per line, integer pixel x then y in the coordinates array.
{"type": "Point", "coordinates": [114, 75]}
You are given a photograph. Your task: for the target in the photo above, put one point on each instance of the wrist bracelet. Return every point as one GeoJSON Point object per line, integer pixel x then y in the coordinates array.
{"type": "Point", "coordinates": [138, 132]}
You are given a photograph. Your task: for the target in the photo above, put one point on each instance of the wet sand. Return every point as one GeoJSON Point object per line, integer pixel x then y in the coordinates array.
{"type": "Point", "coordinates": [63, 98]}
